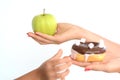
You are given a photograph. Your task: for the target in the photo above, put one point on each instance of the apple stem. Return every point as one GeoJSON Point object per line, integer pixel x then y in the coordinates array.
{"type": "Point", "coordinates": [43, 12]}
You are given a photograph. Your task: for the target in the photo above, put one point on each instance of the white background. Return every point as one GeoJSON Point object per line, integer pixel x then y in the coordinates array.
{"type": "Point", "coordinates": [20, 54]}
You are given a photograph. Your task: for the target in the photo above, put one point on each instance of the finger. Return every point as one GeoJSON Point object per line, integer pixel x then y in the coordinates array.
{"type": "Point", "coordinates": [63, 74]}
{"type": "Point", "coordinates": [45, 36]}
{"type": "Point", "coordinates": [40, 42]}
{"type": "Point", "coordinates": [57, 55]}
{"type": "Point", "coordinates": [62, 61]}
{"type": "Point", "coordinates": [39, 38]}
{"type": "Point", "coordinates": [62, 67]}
{"type": "Point", "coordinates": [30, 34]}
{"type": "Point", "coordinates": [97, 67]}
{"type": "Point", "coordinates": [81, 64]}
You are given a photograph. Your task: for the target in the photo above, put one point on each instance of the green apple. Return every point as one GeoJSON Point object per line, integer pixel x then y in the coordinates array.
{"type": "Point", "coordinates": [44, 23]}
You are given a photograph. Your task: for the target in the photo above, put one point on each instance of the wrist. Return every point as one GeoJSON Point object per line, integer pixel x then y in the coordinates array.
{"type": "Point", "coordinates": [38, 74]}
{"type": "Point", "coordinates": [89, 36]}
{"type": "Point", "coordinates": [33, 75]}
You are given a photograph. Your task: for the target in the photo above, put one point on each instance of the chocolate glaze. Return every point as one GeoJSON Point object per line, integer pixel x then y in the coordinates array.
{"type": "Point", "coordinates": [84, 49]}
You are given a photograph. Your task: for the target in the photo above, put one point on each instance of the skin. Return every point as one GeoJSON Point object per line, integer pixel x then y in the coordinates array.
{"type": "Point", "coordinates": [66, 32]}
{"type": "Point", "coordinates": [52, 69]}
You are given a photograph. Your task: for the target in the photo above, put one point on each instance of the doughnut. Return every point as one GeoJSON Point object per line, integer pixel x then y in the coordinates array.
{"type": "Point", "coordinates": [83, 51]}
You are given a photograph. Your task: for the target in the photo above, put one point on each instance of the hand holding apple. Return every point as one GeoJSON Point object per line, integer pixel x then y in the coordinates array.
{"type": "Point", "coordinates": [44, 23]}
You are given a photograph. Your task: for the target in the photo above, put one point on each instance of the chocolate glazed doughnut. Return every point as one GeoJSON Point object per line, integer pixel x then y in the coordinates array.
{"type": "Point", "coordinates": [88, 51]}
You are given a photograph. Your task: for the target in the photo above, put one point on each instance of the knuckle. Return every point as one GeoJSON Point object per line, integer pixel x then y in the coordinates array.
{"type": "Point", "coordinates": [58, 68]}
{"type": "Point", "coordinates": [59, 61]}
{"type": "Point", "coordinates": [47, 65]}
{"type": "Point", "coordinates": [59, 75]}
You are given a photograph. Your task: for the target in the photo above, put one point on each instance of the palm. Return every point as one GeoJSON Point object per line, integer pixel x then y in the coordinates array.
{"type": "Point", "coordinates": [63, 31]}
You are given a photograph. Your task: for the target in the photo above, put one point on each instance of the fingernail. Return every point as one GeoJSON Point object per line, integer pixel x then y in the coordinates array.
{"type": "Point", "coordinates": [37, 33]}
{"type": "Point", "coordinates": [28, 34]}
{"type": "Point", "coordinates": [87, 69]}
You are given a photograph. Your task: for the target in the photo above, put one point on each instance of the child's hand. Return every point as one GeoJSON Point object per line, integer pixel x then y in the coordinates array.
{"type": "Point", "coordinates": [55, 68]}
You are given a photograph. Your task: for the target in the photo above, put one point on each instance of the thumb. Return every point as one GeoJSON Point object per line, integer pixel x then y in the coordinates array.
{"type": "Point", "coordinates": [57, 55]}
{"type": "Point", "coordinates": [96, 67]}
